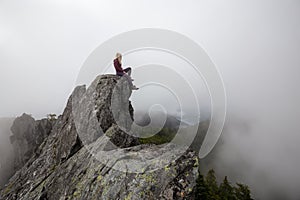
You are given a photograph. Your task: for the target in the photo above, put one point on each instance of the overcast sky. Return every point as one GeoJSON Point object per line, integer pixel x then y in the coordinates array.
{"type": "Point", "coordinates": [254, 44]}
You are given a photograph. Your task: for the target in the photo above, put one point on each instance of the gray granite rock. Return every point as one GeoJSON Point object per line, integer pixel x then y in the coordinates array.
{"type": "Point", "coordinates": [27, 135]}
{"type": "Point", "coordinates": [88, 155]}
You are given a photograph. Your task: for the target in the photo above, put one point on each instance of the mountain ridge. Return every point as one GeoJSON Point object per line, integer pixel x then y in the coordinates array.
{"type": "Point", "coordinates": [87, 154]}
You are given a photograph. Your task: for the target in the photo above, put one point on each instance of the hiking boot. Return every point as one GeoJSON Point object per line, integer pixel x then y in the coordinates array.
{"type": "Point", "coordinates": [134, 88]}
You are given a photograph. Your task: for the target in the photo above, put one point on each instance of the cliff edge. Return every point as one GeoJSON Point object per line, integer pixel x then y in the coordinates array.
{"type": "Point", "coordinates": [87, 154]}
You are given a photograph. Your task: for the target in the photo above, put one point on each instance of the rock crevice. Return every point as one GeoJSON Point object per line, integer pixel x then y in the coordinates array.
{"type": "Point", "coordinates": [87, 155]}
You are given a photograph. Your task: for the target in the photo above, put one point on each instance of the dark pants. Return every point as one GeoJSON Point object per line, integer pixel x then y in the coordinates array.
{"type": "Point", "coordinates": [127, 70]}
{"type": "Point", "coordinates": [126, 75]}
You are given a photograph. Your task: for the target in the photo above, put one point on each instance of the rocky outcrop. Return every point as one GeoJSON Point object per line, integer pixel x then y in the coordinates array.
{"type": "Point", "coordinates": [89, 155]}
{"type": "Point", "coordinates": [120, 138]}
{"type": "Point", "coordinates": [27, 135]}
{"type": "Point", "coordinates": [104, 103]}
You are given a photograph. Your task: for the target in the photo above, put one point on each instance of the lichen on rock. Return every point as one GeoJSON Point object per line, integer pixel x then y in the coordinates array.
{"type": "Point", "coordinates": [89, 155]}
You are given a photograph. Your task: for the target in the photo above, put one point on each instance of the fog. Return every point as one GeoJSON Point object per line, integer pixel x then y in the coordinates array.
{"type": "Point", "coordinates": [254, 44]}
{"type": "Point", "coordinates": [6, 150]}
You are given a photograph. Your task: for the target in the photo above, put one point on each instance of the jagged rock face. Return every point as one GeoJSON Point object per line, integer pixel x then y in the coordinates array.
{"type": "Point", "coordinates": [100, 106]}
{"type": "Point", "coordinates": [28, 134]}
{"type": "Point", "coordinates": [84, 157]}
{"type": "Point", "coordinates": [120, 138]}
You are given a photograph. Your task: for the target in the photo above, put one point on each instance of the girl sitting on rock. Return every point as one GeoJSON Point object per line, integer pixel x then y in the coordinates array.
{"type": "Point", "coordinates": [123, 72]}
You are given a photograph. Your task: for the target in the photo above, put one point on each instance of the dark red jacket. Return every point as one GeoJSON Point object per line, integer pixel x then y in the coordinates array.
{"type": "Point", "coordinates": [118, 66]}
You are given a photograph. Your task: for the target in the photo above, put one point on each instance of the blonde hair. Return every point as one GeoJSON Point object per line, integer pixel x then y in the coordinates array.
{"type": "Point", "coordinates": [118, 55]}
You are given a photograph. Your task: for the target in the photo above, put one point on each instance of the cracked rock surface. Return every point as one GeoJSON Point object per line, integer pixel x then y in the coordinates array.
{"type": "Point", "coordinates": [87, 155]}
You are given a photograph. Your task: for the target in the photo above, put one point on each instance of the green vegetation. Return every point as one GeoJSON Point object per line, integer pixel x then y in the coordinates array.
{"type": "Point", "coordinates": [51, 117]}
{"type": "Point", "coordinates": [164, 136]}
{"type": "Point", "coordinates": [208, 189]}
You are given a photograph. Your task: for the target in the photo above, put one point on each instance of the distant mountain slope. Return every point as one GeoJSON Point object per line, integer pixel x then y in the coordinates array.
{"type": "Point", "coordinates": [6, 150]}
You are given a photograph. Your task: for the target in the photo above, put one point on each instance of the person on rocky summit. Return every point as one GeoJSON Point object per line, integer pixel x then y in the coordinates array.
{"type": "Point", "coordinates": [123, 72]}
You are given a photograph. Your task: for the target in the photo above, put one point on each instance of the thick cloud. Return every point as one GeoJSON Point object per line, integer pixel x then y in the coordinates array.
{"type": "Point", "coordinates": [255, 45]}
